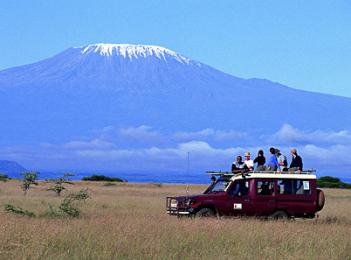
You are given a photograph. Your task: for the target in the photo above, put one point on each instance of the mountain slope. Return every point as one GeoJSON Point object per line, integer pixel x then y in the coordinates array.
{"type": "Point", "coordinates": [94, 86]}
{"type": "Point", "coordinates": [11, 168]}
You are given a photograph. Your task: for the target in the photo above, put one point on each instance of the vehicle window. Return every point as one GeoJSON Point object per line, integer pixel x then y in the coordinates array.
{"type": "Point", "coordinates": [294, 187]}
{"type": "Point", "coordinates": [265, 187]}
{"type": "Point", "coordinates": [220, 186]}
{"type": "Point", "coordinates": [239, 188]}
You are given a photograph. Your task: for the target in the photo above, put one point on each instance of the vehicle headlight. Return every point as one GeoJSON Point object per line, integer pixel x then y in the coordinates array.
{"type": "Point", "coordinates": [174, 204]}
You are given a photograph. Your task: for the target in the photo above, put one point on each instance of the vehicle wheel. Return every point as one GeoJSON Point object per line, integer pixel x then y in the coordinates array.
{"type": "Point", "coordinates": [279, 215]}
{"type": "Point", "coordinates": [320, 200]}
{"type": "Point", "coordinates": [205, 213]}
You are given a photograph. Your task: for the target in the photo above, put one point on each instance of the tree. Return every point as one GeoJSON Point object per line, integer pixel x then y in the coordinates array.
{"type": "Point", "coordinates": [29, 178]}
{"type": "Point", "coordinates": [59, 182]}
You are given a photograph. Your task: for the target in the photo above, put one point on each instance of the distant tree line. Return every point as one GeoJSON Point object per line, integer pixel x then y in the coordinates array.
{"type": "Point", "coordinates": [332, 182]}
{"type": "Point", "coordinates": [102, 178]}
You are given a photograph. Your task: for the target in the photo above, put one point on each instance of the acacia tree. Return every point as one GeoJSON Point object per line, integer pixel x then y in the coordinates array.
{"type": "Point", "coordinates": [29, 178]}
{"type": "Point", "coordinates": [58, 183]}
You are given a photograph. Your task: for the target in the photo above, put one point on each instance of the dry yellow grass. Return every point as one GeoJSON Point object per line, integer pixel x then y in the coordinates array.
{"type": "Point", "coordinates": [128, 221]}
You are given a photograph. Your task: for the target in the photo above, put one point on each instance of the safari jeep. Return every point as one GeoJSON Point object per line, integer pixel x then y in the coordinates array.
{"type": "Point", "coordinates": [262, 194]}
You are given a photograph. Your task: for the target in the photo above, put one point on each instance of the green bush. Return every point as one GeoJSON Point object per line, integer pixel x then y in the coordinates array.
{"type": "Point", "coordinates": [4, 177]}
{"type": "Point", "coordinates": [67, 208]}
{"type": "Point", "coordinates": [332, 182]}
{"type": "Point", "coordinates": [19, 211]}
{"type": "Point", "coordinates": [101, 178]}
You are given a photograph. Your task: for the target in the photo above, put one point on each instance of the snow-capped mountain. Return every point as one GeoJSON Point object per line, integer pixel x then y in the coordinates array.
{"type": "Point", "coordinates": [97, 85]}
{"type": "Point", "coordinates": [82, 89]}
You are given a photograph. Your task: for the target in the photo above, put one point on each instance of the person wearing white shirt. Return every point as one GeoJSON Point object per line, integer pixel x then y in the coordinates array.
{"type": "Point", "coordinates": [249, 164]}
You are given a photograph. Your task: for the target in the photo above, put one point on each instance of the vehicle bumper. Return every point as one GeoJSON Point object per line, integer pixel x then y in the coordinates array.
{"type": "Point", "coordinates": [176, 212]}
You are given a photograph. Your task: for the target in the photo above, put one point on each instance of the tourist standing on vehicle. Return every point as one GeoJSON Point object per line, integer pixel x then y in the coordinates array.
{"type": "Point", "coordinates": [273, 161]}
{"type": "Point", "coordinates": [248, 163]}
{"type": "Point", "coordinates": [238, 164]}
{"type": "Point", "coordinates": [296, 163]}
{"type": "Point", "coordinates": [282, 161]}
{"type": "Point", "coordinates": [213, 180]}
{"type": "Point", "coordinates": [260, 160]}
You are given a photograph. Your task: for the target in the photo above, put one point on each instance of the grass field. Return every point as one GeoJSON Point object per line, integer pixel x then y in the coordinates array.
{"type": "Point", "coordinates": [128, 221]}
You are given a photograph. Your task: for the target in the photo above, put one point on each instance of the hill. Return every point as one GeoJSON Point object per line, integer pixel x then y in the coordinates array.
{"type": "Point", "coordinates": [11, 168]}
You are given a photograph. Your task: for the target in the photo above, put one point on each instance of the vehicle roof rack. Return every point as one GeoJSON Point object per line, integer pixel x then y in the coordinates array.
{"type": "Point", "coordinates": [241, 172]}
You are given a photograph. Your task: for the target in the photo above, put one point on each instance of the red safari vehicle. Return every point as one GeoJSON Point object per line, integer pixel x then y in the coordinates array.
{"type": "Point", "coordinates": [267, 194]}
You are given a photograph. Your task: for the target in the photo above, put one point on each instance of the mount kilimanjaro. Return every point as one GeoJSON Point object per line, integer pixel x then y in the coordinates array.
{"type": "Point", "coordinates": [94, 86]}
{"type": "Point", "coordinates": [141, 108]}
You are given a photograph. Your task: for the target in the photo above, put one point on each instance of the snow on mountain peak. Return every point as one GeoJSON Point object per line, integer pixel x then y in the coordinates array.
{"type": "Point", "coordinates": [133, 51]}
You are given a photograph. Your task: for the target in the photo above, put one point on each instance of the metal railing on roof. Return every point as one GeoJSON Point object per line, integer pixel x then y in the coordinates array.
{"type": "Point", "coordinates": [241, 172]}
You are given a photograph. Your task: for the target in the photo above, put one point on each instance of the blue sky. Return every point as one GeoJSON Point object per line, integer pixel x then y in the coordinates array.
{"type": "Point", "coordinates": [303, 44]}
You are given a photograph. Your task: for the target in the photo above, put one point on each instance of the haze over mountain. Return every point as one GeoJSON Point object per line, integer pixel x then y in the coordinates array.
{"type": "Point", "coordinates": [167, 99]}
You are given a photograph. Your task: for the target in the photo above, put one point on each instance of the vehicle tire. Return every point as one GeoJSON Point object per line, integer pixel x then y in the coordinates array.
{"type": "Point", "coordinates": [279, 215]}
{"type": "Point", "coordinates": [205, 213]}
{"type": "Point", "coordinates": [320, 200]}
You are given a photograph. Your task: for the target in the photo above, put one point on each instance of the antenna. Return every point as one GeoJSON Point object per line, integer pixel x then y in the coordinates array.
{"type": "Point", "coordinates": [187, 173]}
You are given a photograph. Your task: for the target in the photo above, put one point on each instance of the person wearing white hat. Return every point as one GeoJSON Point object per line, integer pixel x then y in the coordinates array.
{"type": "Point", "coordinates": [249, 164]}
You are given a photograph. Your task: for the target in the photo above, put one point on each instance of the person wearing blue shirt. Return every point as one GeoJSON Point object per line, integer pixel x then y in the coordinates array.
{"type": "Point", "coordinates": [273, 164]}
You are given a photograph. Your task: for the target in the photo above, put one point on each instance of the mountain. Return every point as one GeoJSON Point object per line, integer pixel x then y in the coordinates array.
{"type": "Point", "coordinates": [11, 168]}
{"type": "Point", "coordinates": [143, 93]}
{"type": "Point", "coordinates": [104, 84]}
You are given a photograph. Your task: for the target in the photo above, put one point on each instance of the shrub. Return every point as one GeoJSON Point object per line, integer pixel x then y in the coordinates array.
{"type": "Point", "coordinates": [19, 211]}
{"type": "Point", "coordinates": [101, 178]}
{"type": "Point", "coordinates": [69, 209]}
{"type": "Point", "coordinates": [58, 183]}
{"type": "Point", "coordinates": [69, 206]}
{"type": "Point", "coordinates": [29, 178]}
{"type": "Point", "coordinates": [4, 177]}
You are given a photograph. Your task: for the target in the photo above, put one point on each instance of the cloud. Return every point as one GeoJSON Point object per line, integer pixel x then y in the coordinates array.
{"type": "Point", "coordinates": [325, 150]}
{"type": "Point", "coordinates": [210, 133]}
{"type": "Point", "coordinates": [142, 132]}
{"type": "Point", "coordinates": [106, 155]}
{"type": "Point", "coordinates": [93, 144]}
{"type": "Point", "coordinates": [289, 134]}
{"type": "Point", "coordinates": [194, 135]}
{"type": "Point", "coordinates": [179, 151]}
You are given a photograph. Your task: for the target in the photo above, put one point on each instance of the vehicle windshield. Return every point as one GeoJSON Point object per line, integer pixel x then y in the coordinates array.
{"type": "Point", "coordinates": [220, 185]}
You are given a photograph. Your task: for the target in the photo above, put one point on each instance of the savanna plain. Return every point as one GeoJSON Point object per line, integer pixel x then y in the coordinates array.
{"type": "Point", "coordinates": [128, 221]}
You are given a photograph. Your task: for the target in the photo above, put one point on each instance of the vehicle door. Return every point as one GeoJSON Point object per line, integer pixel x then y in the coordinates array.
{"type": "Point", "coordinates": [294, 196]}
{"type": "Point", "coordinates": [264, 197]}
{"type": "Point", "coordinates": [238, 198]}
